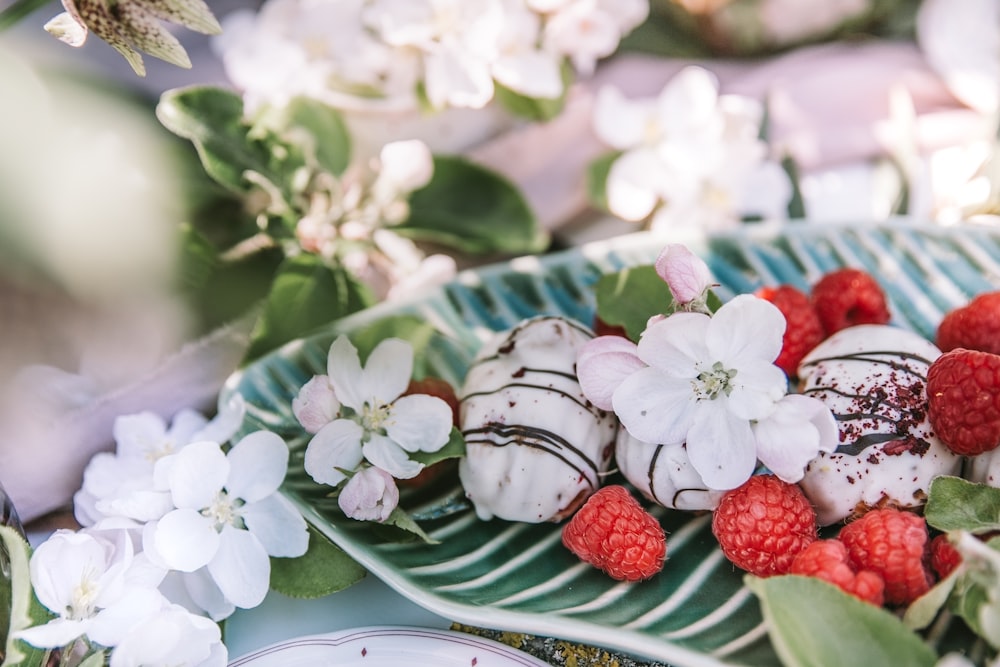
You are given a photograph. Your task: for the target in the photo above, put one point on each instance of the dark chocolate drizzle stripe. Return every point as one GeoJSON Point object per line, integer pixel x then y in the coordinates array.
{"type": "Point", "coordinates": [652, 486]}
{"type": "Point", "coordinates": [536, 438]}
{"type": "Point", "coordinates": [870, 357]}
{"type": "Point", "coordinates": [586, 405]}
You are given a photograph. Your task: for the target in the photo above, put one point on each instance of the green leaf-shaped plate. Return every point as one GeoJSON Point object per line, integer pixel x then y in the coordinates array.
{"type": "Point", "coordinates": [519, 577]}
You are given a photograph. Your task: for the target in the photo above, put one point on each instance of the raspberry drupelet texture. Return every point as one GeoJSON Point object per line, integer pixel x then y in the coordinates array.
{"type": "Point", "coordinates": [847, 297]}
{"type": "Point", "coordinates": [763, 524]}
{"type": "Point", "coordinates": [803, 329]}
{"type": "Point", "coordinates": [975, 326]}
{"type": "Point", "coordinates": [613, 532]}
{"type": "Point", "coordinates": [963, 399]}
{"type": "Point", "coordinates": [828, 560]}
{"type": "Point", "coordinates": [894, 544]}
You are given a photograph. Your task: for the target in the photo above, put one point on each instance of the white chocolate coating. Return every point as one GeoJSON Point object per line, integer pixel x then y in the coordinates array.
{"type": "Point", "coordinates": [984, 468]}
{"type": "Point", "coordinates": [873, 378]}
{"type": "Point", "coordinates": [663, 474]}
{"type": "Point", "coordinates": [535, 446]}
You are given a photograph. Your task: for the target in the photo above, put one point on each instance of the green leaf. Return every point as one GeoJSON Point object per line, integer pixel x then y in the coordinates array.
{"type": "Point", "coordinates": [630, 297]}
{"type": "Point", "coordinates": [536, 108]}
{"type": "Point", "coordinates": [925, 608]}
{"type": "Point", "coordinates": [956, 504]}
{"type": "Point", "coordinates": [212, 119]}
{"type": "Point", "coordinates": [401, 520]}
{"type": "Point", "coordinates": [306, 294]}
{"type": "Point", "coordinates": [324, 569]}
{"type": "Point", "coordinates": [453, 449]}
{"type": "Point", "coordinates": [597, 179]}
{"type": "Point", "coordinates": [25, 610]}
{"type": "Point", "coordinates": [814, 623]}
{"type": "Point", "coordinates": [96, 659]}
{"type": "Point", "coordinates": [317, 127]}
{"type": "Point", "coordinates": [472, 209]}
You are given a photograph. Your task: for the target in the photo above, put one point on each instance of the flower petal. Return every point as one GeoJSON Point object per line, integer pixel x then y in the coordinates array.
{"type": "Point", "coordinates": [258, 463]}
{"type": "Point", "coordinates": [383, 453]}
{"type": "Point", "coordinates": [655, 407]}
{"type": "Point", "coordinates": [404, 166]}
{"type": "Point", "coordinates": [453, 77]}
{"type": "Point", "coordinates": [756, 389]}
{"type": "Point", "coordinates": [278, 525]}
{"type": "Point", "coordinates": [138, 435]}
{"type": "Point", "coordinates": [794, 434]}
{"type": "Point", "coordinates": [602, 365]}
{"type": "Point", "coordinates": [419, 423]}
{"type": "Point", "coordinates": [55, 634]}
{"type": "Point", "coordinates": [337, 445]}
{"type": "Point", "coordinates": [721, 448]}
{"type": "Point", "coordinates": [226, 422]}
{"type": "Point", "coordinates": [530, 73]}
{"type": "Point", "coordinates": [746, 327]}
{"type": "Point", "coordinates": [197, 474]}
{"type": "Point", "coordinates": [632, 185]}
{"type": "Point", "coordinates": [343, 366]}
{"type": "Point", "coordinates": [674, 344]}
{"type": "Point", "coordinates": [185, 540]}
{"type": "Point", "coordinates": [316, 404]}
{"type": "Point", "coordinates": [387, 371]}
{"type": "Point", "coordinates": [619, 122]}
{"type": "Point", "coordinates": [241, 568]}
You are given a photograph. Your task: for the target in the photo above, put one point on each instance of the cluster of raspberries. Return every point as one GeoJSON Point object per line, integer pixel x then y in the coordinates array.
{"type": "Point", "coordinates": [768, 527]}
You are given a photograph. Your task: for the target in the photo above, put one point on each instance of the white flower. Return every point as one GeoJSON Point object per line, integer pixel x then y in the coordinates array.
{"type": "Point", "coordinates": [404, 166]}
{"type": "Point", "coordinates": [588, 30]}
{"type": "Point", "coordinates": [369, 495]}
{"type": "Point", "coordinates": [458, 40]}
{"type": "Point", "coordinates": [690, 157]}
{"type": "Point", "coordinates": [686, 274]}
{"type": "Point", "coordinates": [964, 48]}
{"type": "Point", "coordinates": [90, 583]}
{"type": "Point", "coordinates": [229, 516]}
{"type": "Point", "coordinates": [790, 21]}
{"type": "Point", "coordinates": [520, 64]}
{"type": "Point", "coordinates": [708, 378]}
{"type": "Point", "coordinates": [384, 426]}
{"type": "Point", "coordinates": [121, 484]}
{"type": "Point", "coordinates": [794, 434]}
{"type": "Point", "coordinates": [171, 636]}
{"type": "Point", "coordinates": [316, 404]}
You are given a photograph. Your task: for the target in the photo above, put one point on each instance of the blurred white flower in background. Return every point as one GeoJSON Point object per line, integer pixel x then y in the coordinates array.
{"type": "Point", "coordinates": [791, 21]}
{"type": "Point", "coordinates": [964, 48]}
{"type": "Point", "coordinates": [690, 157]}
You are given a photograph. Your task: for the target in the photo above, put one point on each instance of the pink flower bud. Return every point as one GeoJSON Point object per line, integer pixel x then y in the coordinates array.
{"type": "Point", "coordinates": [369, 495]}
{"type": "Point", "coordinates": [685, 273]}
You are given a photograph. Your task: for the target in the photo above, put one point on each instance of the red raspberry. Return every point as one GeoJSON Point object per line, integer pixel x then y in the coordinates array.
{"type": "Point", "coordinates": [847, 297]}
{"type": "Point", "coordinates": [827, 560]}
{"type": "Point", "coordinates": [614, 533]}
{"type": "Point", "coordinates": [894, 544]}
{"type": "Point", "coordinates": [975, 326]}
{"type": "Point", "coordinates": [963, 400]}
{"type": "Point", "coordinates": [803, 330]}
{"type": "Point", "coordinates": [602, 328]}
{"type": "Point", "coordinates": [762, 525]}
{"type": "Point", "coordinates": [944, 556]}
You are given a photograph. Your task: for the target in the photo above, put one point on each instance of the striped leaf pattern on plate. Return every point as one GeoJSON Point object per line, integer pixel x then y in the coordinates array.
{"type": "Point", "coordinates": [519, 577]}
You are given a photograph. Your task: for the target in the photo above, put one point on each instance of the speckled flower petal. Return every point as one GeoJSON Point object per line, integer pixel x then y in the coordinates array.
{"type": "Point", "coordinates": [192, 14]}
{"type": "Point", "coordinates": [98, 18]}
{"type": "Point", "coordinates": [147, 34]}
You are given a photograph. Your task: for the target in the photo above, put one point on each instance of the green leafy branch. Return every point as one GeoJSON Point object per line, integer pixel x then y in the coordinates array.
{"type": "Point", "coordinates": [284, 164]}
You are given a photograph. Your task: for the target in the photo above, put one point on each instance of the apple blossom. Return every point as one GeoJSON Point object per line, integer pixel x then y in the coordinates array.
{"type": "Point", "coordinates": [379, 424]}
{"type": "Point", "coordinates": [686, 274]}
{"type": "Point", "coordinates": [171, 635]}
{"type": "Point", "coordinates": [229, 516]}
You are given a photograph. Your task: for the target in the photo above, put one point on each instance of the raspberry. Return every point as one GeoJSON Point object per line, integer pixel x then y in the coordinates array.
{"type": "Point", "coordinates": [847, 297]}
{"type": "Point", "coordinates": [602, 328]}
{"type": "Point", "coordinates": [975, 326]}
{"type": "Point", "coordinates": [944, 556]}
{"type": "Point", "coordinates": [963, 400]}
{"type": "Point", "coordinates": [614, 533]}
{"type": "Point", "coordinates": [827, 560]}
{"type": "Point", "coordinates": [894, 544]}
{"type": "Point", "coordinates": [762, 525]}
{"type": "Point", "coordinates": [803, 330]}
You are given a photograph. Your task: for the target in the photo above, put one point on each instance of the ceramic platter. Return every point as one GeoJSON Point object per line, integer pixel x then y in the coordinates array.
{"type": "Point", "coordinates": [519, 577]}
{"type": "Point", "coordinates": [388, 646]}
